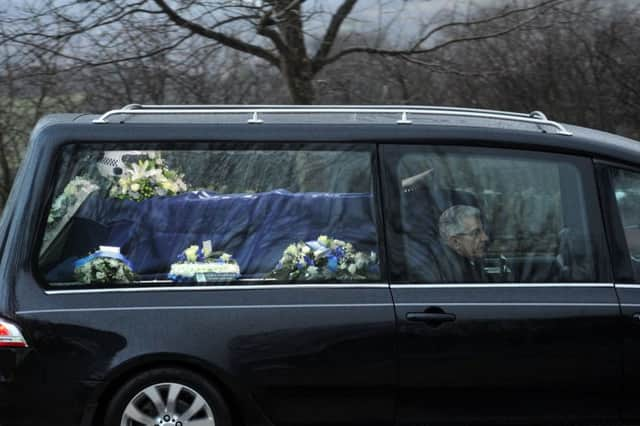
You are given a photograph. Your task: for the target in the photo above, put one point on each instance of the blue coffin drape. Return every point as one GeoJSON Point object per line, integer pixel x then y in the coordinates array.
{"type": "Point", "coordinates": [254, 228]}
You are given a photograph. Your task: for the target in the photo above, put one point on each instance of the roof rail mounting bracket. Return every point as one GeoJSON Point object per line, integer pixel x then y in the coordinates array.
{"type": "Point", "coordinates": [539, 115]}
{"type": "Point", "coordinates": [404, 119]}
{"type": "Point", "coordinates": [255, 119]}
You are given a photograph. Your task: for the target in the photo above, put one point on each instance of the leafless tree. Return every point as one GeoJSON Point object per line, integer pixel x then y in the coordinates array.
{"type": "Point", "coordinates": [295, 37]}
{"type": "Point", "coordinates": [22, 103]}
{"type": "Point", "coordinates": [575, 59]}
{"type": "Point", "coordinates": [580, 71]}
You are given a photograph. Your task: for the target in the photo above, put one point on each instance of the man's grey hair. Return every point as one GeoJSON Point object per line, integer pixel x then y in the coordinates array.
{"type": "Point", "coordinates": [452, 220]}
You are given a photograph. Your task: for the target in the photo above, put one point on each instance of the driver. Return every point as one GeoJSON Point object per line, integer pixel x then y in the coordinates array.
{"type": "Point", "coordinates": [459, 255]}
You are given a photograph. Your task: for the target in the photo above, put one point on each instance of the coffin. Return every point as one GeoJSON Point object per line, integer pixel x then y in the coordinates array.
{"type": "Point", "coordinates": [254, 228]}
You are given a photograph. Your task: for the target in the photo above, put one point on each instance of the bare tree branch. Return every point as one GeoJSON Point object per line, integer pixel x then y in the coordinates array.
{"type": "Point", "coordinates": [222, 38]}
{"type": "Point", "coordinates": [81, 62]}
{"type": "Point", "coordinates": [478, 22]}
{"type": "Point", "coordinates": [414, 50]}
{"type": "Point", "coordinates": [332, 32]}
{"type": "Point", "coordinates": [263, 28]}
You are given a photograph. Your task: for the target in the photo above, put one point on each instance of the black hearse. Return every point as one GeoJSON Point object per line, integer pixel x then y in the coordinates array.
{"type": "Point", "coordinates": [166, 265]}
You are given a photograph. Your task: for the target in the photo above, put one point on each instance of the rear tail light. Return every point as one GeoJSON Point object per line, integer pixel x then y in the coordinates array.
{"type": "Point", "coordinates": [10, 336]}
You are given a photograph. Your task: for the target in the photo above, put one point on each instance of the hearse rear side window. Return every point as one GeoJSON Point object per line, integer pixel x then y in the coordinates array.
{"type": "Point", "coordinates": [489, 215]}
{"type": "Point", "coordinates": [211, 215]}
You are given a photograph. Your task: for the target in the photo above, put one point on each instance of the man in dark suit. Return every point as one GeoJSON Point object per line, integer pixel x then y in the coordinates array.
{"type": "Point", "coordinates": [458, 255]}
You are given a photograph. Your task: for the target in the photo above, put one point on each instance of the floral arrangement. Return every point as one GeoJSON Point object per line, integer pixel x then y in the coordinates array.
{"type": "Point", "coordinates": [64, 206]}
{"type": "Point", "coordinates": [325, 259]}
{"type": "Point", "coordinates": [104, 267]}
{"type": "Point", "coordinates": [204, 264]}
{"type": "Point", "coordinates": [147, 178]}
{"type": "Point", "coordinates": [72, 196]}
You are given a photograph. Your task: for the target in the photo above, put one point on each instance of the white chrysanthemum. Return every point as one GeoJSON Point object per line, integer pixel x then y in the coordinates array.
{"type": "Point", "coordinates": [361, 260]}
{"type": "Point", "coordinates": [191, 253]}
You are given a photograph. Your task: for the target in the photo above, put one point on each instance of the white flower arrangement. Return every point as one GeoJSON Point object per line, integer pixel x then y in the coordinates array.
{"type": "Point", "coordinates": [72, 196]}
{"type": "Point", "coordinates": [146, 179]}
{"type": "Point", "coordinates": [325, 259]}
{"type": "Point", "coordinates": [203, 264]}
{"type": "Point", "coordinates": [104, 267]}
{"type": "Point", "coordinates": [64, 207]}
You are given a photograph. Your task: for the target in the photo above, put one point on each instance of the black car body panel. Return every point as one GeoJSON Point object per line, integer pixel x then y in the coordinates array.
{"type": "Point", "coordinates": [508, 348]}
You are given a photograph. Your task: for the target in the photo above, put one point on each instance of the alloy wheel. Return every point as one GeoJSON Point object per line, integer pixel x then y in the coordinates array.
{"type": "Point", "coordinates": [168, 404]}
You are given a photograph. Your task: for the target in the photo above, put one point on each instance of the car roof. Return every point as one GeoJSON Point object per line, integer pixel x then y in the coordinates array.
{"type": "Point", "coordinates": [389, 124]}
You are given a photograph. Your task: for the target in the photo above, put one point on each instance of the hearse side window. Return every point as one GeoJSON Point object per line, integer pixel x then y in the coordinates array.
{"type": "Point", "coordinates": [627, 193]}
{"type": "Point", "coordinates": [487, 215]}
{"type": "Point", "coordinates": [211, 214]}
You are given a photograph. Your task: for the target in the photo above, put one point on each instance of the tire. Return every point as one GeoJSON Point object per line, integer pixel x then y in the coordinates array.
{"type": "Point", "coordinates": [182, 398]}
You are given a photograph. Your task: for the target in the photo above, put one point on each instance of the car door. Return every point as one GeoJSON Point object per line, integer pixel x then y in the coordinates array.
{"type": "Point", "coordinates": [505, 307]}
{"type": "Point", "coordinates": [620, 194]}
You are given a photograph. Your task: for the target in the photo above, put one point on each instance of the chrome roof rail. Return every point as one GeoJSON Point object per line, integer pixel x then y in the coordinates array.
{"type": "Point", "coordinates": [404, 111]}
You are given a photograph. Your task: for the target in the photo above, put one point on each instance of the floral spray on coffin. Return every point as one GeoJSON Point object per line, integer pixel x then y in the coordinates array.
{"type": "Point", "coordinates": [202, 264]}
{"type": "Point", "coordinates": [104, 266]}
{"type": "Point", "coordinates": [148, 178]}
{"type": "Point", "coordinates": [326, 259]}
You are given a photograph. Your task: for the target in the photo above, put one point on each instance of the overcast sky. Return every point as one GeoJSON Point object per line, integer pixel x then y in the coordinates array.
{"type": "Point", "coordinates": [367, 16]}
{"type": "Point", "coordinates": [363, 7]}
{"type": "Point", "coordinates": [401, 17]}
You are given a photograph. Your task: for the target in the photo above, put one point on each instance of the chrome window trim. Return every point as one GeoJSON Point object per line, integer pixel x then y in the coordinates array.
{"type": "Point", "coordinates": [548, 304]}
{"type": "Point", "coordinates": [507, 285]}
{"type": "Point", "coordinates": [211, 287]}
{"type": "Point", "coordinates": [635, 286]}
{"type": "Point", "coordinates": [323, 286]}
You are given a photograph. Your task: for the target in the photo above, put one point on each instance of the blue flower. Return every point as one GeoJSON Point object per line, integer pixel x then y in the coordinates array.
{"type": "Point", "coordinates": [182, 257]}
{"type": "Point", "coordinates": [333, 264]}
{"type": "Point", "coordinates": [200, 255]}
{"type": "Point", "coordinates": [300, 266]}
{"type": "Point", "coordinates": [339, 252]}
{"type": "Point", "coordinates": [309, 261]}
{"type": "Point", "coordinates": [178, 278]}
